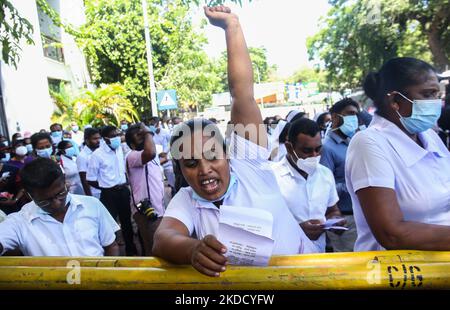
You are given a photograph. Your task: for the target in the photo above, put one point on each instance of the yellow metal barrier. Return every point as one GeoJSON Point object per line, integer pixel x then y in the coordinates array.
{"type": "Point", "coordinates": [367, 270]}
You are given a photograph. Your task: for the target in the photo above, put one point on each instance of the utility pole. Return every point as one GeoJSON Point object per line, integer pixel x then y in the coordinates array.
{"type": "Point", "coordinates": [148, 45]}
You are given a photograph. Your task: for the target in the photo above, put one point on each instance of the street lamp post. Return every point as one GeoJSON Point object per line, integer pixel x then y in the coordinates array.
{"type": "Point", "coordinates": [148, 45]}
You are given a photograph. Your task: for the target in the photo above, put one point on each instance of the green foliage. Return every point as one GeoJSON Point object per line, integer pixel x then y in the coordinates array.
{"type": "Point", "coordinates": [309, 75]}
{"type": "Point", "coordinates": [116, 50]}
{"type": "Point", "coordinates": [13, 28]}
{"type": "Point", "coordinates": [106, 105]}
{"type": "Point", "coordinates": [261, 69]}
{"type": "Point", "coordinates": [357, 37]}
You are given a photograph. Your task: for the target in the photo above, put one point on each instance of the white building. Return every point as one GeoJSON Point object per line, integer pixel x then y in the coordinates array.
{"type": "Point", "coordinates": [26, 104]}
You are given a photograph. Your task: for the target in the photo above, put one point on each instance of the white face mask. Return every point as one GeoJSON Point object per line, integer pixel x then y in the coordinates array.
{"type": "Point", "coordinates": [308, 165]}
{"type": "Point", "coordinates": [21, 151]}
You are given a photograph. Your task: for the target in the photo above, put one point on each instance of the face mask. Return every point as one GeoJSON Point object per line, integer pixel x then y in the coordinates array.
{"type": "Point", "coordinates": [124, 127]}
{"type": "Point", "coordinates": [425, 114]}
{"type": "Point", "coordinates": [75, 128]}
{"type": "Point", "coordinates": [114, 143]}
{"type": "Point", "coordinates": [87, 126]}
{"type": "Point", "coordinates": [230, 185]}
{"type": "Point", "coordinates": [7, 157]}
{"type": "Point", "coordinates": [21, 151]}
{"type": "Point", "coordinates": [152, 128]}
{"type": "Point", "coordinates": [56, 134]}
{"type": "Point", "coordinates": [29, 148]}
{"type": "Point", "coordinates": [350, 125]}
{"type": "Point", "coordinates": [45, 153]}
{"type": "Point", "coordinates": [70, 152]}
{"type": "Point", "coordinates": [308, 165]}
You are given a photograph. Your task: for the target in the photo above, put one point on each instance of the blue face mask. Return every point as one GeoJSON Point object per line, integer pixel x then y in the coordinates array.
{"type": "Point", "coordinates": [230, 185]}
{"type": "Point", "coordinates": [114, 143]}
{"type": "Point", "coordinates": [45, 153]}
{"type": "Point", "coordinates": [70, 152]}
{"type": "Point", "coordinates": [350, 125]}
{"type": "Point", "coordinates": [124, 127]}
{"type": "Point", "coordinates": [152, 128]}
{"type": "Point", "coordinates": [29, 148]}
{"type": "Point", "coordinates": [75, 128]}
{"type": "Point", "coordinates": [425, 114]}
{"type": "Point", "coordinates": [56, 134]}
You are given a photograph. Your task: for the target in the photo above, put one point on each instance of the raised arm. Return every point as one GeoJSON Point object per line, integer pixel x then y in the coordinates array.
{"type": "Point", "coordinates": [244, 110]}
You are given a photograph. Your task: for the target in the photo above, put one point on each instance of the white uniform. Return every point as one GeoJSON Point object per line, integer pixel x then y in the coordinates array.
{"type": "Point", "coordinates": [384, 156]}
{"type": "Point", "coordinates": [83, 163]}
{"type": "Point", "coordinates": [255, 187]}
{"type": "Point", "coordinates": [309, 198]}
{"type": "Point", "coordinates": [87, 228]}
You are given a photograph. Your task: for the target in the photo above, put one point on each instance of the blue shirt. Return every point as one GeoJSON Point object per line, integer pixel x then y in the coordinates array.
{"type": "Point", "coordinates": [334, 152]}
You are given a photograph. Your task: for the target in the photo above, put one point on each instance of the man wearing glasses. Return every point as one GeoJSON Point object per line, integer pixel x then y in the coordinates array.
{"type": "Point", "coordinates": [57, 223]}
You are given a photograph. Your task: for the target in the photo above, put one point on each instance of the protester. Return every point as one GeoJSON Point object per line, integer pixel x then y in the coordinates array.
{"type": "Point", "coordinates": [344, 115]}
{"type": "Point", "coordinates": [57, 223]}
{"type": "Point", "coordinates": [246, 180]}
{"type": "Point", "coordinates": [307, 187]}
{"type": "Point", "coordinates": [398, 170]}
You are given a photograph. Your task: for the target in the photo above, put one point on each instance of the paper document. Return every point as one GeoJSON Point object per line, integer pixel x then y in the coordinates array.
{"type": "Point", "coordinates": [330, 224]}
{"type": "Point", "coordinates": [247, 235]}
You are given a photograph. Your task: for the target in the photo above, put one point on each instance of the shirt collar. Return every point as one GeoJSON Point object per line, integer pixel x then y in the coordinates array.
{"type": "Point", "coordinates": [338, 139]}
{"type": "Point", "coordinates": [286, 168]}
{"type": "Point", "coordinates": [35, 211]}
{"type": "Point", "coordinates": [105, 147]}
{"type": "Point", "coordinates": [408, 150]}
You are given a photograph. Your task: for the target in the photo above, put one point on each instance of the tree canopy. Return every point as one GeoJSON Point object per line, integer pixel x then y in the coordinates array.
{"type": "Point", "coordinates": [357, 37]}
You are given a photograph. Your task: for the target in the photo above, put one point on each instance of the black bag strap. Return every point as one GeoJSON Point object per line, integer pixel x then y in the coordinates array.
{"type": "Point", "coordinates": [131, 186]}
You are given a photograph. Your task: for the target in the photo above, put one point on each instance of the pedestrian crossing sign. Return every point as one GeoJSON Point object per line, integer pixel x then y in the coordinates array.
{"type": "Point", "coordinates": [167, 99]}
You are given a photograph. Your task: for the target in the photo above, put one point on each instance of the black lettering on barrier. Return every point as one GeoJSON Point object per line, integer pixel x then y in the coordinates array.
{"type": "Point", "coordinates": [414, 277]}
{"type": "Point", "coordinates": [411, 272]}
{"type": "Point", "coordinates": [391, 278]}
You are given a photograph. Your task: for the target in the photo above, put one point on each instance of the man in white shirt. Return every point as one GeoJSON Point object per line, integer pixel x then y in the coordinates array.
{"type": "Point", "coordinates": [161, 135]}
{"type": "Point", "coordinates": [57, 223]}
{"type": "Point", "coordinates": [77, 134]}
{"type": "Point", "coordinates": [106, 171]}
{"type": "Point", "coordinates": [92, 142]}
{"type": "Point", "coordinates": [307, 187]}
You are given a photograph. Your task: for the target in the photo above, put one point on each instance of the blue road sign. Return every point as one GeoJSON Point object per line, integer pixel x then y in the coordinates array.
{"type": "Point", "coordinates": [167, 99]}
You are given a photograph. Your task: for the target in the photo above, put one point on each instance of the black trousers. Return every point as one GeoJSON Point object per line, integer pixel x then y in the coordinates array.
{"type": "Point", "coordinates": [117, 201]}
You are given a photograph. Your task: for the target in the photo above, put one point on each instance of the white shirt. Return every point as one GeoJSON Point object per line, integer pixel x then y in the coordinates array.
{"type": "Point", "coordinates": [83, 162]}
{"type": "Point", "coordinates": [72, 175]}
{"type": "Point", "coordinates": [87, 228]}
{"type": "Point", "coordinates": [78, 137]}
{"type": "Point", "coordinates": [255, 187]}
{"type": "Point", "coordinates": [384, 156]}
{"type": "Point", "coordinates": [162, 138]}
{"type": "Point", "coordinates": [309, 198]}
{"type": "Point", "coordinates": [107, 166]}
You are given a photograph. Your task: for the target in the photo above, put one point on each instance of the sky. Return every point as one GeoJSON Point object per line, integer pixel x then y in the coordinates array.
{"type": "Point", "coordinates": [281, 26]}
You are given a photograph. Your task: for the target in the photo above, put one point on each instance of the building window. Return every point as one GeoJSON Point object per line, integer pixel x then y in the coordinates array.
{"type": "Point", "coordinates": [52, 49]}
{"type": "Point", "coordinates": [55, 84]}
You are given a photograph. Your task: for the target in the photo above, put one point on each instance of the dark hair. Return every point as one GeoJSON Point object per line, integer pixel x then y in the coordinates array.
{"type": "Point", "coordinates": [154, 120]}
{"type": "Point", "coordinates": [395, 75]}
{"type": "Point", "coordinates": [321, 119]}
{"type": "Point", "coordinates": [62, 146]}
{"type": "Point", "coordinates": [304, 126]}
{"type": "Point", "coordinates": [55, 124]}
{"type": "Point", "coordinates": [132, 130]}
{"type": "Point", "coordinates": [89, 132]}
{"type": "Point", "coordinates": [283, 137]}
{"type": "Point", "coordinates": [339, 106]}
{"type": "Point", "coordinates": [35, 138]}
{"type": "Point", "coordinates": [40, 174]}
{"type": "Point", "coordinates": [189, 126]}
{"type": "Point", "coordinates": [107, 130]}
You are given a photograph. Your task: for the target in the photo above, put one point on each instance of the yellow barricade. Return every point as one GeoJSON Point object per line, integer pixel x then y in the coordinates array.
{"type": "Point", "coordinates": [394, 270]}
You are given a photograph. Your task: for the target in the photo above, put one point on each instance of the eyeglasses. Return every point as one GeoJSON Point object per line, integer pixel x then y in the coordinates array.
{"type": "Point", "coordinates": [47, 202]}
